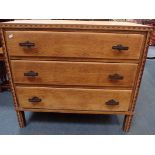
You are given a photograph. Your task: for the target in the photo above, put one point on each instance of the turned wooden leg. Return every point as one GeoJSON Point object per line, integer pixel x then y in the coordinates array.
{"type": "Point", "coordinates": [127, 122]}
{"type": "Point", "coordinates": [21, 118]}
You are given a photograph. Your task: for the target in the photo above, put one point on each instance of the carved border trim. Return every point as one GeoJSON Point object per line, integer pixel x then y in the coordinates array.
{"type": "Point", "coordinates": [78, 26]}
{"type": "Point", "coordinates": [141, 71]}
{"type": "Point", "coordinates": [8, 69]}
{"type": "Point", "coordinates": [128, 119]}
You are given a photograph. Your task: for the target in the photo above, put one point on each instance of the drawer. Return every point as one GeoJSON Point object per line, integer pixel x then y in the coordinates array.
{"type": "Point", "coordinates": [75, 99]}
{"type": "Point", "coordinates": [74, 44]}
{"type": "Point", "coordinates": [73, 73]}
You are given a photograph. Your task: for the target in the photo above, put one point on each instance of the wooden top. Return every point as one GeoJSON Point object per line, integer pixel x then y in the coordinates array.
{"type": "Point", "coordinates": [75, 24]}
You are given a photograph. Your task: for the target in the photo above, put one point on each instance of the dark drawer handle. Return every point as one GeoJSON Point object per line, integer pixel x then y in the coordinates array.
{"type": "Point", "coordinates": [112, 102]}
{"type": "Point", "coordinates": [31, 74]}
{"type": "Point", "coordinates": [120, 47]}
{"type": "Point", "coordinates": [116, 77]}
{"type": "Point", "coordinates": [34, 99]}
{"type": "Point", "coordinates": [27, 44]}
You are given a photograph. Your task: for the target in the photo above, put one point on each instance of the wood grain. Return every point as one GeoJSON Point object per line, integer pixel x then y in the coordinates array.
{"type": "Point", "coordinates": [74, 44]}
{"type": "Point", "coordinates": [75, 99]}
{"type": "Point", "coordinates": [73, 73]}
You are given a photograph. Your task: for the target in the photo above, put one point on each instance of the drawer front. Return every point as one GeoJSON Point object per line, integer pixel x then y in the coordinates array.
{"type": "Point", "coordinates": [73, 73]}
{"type": "Point", "coordinates": [74, 44]}
{"type": "Point", "coordinates": [75, 99]}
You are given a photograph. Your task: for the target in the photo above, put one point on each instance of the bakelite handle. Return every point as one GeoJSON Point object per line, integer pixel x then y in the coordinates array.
{"type": "Point", "coordinates": [27, 44]}
{"type": "Point", "coordinates": [120, 47]}
{"type": "Point", "coordinates": [31, 74]}
{"type": "Point", "coordinates": [116, 77]}
{"type": "Point", "coordinates": [112, 102]}
{"type": "Point", "coordinates": [34, 99]}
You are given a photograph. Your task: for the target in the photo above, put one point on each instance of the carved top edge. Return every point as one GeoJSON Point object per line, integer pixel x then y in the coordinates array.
{"type": "Point", "coordinates": [71, 24]}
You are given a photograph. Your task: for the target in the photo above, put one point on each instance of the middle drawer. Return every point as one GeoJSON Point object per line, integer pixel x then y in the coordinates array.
{"type": "Point", "coordinates": [73, 73]}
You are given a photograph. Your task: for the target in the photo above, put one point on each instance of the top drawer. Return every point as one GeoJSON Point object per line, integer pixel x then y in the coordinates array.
{"type": "Point", "coordinates": [74, 44]}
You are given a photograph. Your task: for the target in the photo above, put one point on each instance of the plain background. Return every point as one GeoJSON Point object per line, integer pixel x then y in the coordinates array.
{"type": "Point", "coordinates": [79, 9]}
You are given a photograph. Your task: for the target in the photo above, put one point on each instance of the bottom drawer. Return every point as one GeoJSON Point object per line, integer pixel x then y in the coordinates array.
{"type": "Point", "coordinates": [73, 98]}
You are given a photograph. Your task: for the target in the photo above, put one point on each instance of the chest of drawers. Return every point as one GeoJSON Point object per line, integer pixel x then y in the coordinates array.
{"type": "Point", "coordinates": [75, 66]}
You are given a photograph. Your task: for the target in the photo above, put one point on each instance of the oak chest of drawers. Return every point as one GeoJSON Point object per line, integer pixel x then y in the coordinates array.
{"type": "Point", "coordinates": [75, 66]}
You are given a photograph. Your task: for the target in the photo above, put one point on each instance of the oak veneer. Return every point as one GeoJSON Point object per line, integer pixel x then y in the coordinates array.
{"type": "Point", "coordinates": [73, 73]}
{"type": "Point", "coordinates": [73, 60]}
{"type": "Point", "coordinates": [73, 98]}
{"type": "Point", "coordinates": [74, 44]}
